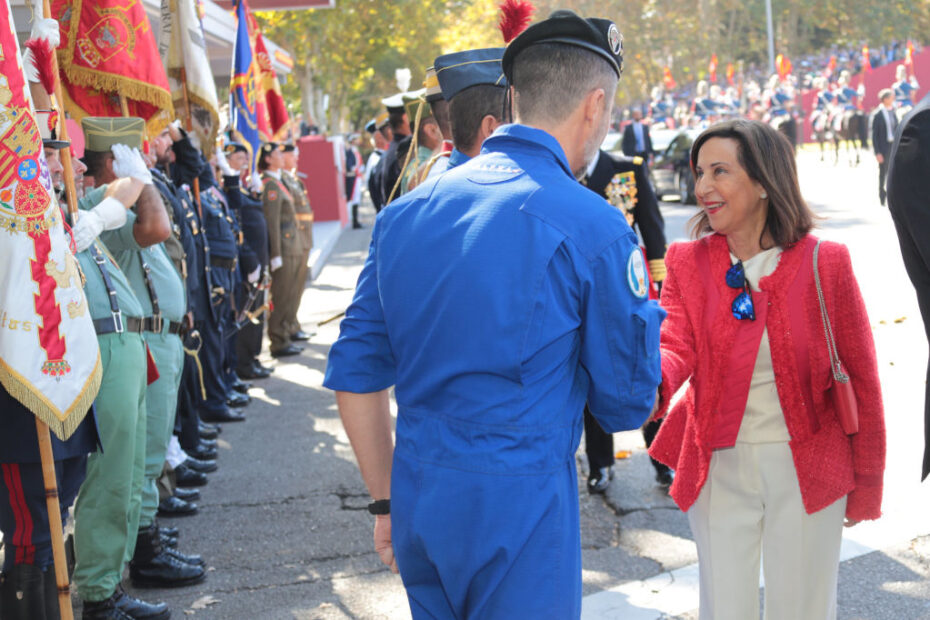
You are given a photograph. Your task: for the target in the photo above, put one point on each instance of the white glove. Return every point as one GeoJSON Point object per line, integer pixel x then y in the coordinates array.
{"type": "Point", "coordinates": [255, 183]}
{"type": "Point", "coordinates": [129, 164]}
{"type": "Point", "coordinates": [48, 29]}
{"type": "Point", "coordinates": [276, 263]}
{"type": "Point", "coordinates": [223, 164]}
{"type": "Point", "coordinates": [253, 277]}
{"type": "Point", "coordinates": [108, 215]}
{"type": "Point", "coordinates": [29, 66]}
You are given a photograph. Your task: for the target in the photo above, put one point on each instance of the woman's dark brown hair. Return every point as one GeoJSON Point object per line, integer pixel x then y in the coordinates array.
{"type": "Point", "coordinates": [768, 159]}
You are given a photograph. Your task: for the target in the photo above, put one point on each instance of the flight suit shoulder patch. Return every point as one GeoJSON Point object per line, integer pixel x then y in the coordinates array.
{"type": "Point", "coordinates": [489, 173]}
{"type": "Point", "coordinates": [636, 274]}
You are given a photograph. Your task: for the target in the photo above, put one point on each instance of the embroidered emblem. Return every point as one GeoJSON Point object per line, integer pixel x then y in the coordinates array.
{"type": "Point", "coordinates": [636, 274]}
{"type": "Point", "coordinates": [272, 195]}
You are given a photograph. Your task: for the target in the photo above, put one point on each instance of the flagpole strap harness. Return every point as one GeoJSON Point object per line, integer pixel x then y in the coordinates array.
{"type": "Point", "coordinates": [115, 322]}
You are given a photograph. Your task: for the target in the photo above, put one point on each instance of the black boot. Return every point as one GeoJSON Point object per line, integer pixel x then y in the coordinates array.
{"type": "Point", "coordinates": [355, 222]}
{"type": "Point", "coordinates": [22, 594]}
{"type": "Point", "coordinates": [50, 587]}
{"type": "Point", "coordinates": [152, 567]}
{"type": "Point", "coordinates": [121, 606]}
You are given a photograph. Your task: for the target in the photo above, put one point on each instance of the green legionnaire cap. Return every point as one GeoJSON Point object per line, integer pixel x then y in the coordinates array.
{"type": "Point", "coordinates": [461, 70]}
{"type": "Point", "coordinates": [102, 132]}
{"type": "Point", "coordinates": [414, 100]}
{"type": "Point", "coordinates": [599, 36]}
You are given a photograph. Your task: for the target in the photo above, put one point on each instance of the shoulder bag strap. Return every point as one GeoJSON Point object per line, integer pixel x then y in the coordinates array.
{"type": "Point", "coordinates": [837, 368]}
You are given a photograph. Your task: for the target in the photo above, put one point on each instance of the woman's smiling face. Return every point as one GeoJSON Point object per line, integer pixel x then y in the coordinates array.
{"type": "Point", "coordinates": [732, 201]}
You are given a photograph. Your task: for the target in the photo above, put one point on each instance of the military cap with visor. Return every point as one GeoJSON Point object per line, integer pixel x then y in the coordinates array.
{"type": "Point", "coordinates": [461, 70]}
{"type": "Point", "coordinates": [599, 36]}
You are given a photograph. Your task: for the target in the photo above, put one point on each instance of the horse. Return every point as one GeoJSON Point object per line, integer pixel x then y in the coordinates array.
{"type": "Point", "coordinates": [851, 127]}
{"type": "Point", "coordinates": [822, 131]}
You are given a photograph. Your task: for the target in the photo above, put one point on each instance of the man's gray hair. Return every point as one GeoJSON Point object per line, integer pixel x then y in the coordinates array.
{"type": "Point", "coordinates": [551, 79]}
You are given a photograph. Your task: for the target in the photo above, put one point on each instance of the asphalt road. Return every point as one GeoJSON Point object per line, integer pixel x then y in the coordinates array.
{"type": "Point", "coordinates": [283, 527]}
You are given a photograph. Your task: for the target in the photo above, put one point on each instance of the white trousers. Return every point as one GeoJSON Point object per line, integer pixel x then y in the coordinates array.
{"type": "Point", "coordinates": [749, 507]}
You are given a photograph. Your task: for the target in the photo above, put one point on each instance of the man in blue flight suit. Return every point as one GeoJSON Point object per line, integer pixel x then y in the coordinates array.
{"type": "Point", "coordinates": [496, 310]}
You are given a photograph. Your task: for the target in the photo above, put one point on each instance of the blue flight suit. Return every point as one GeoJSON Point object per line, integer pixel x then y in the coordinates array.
{"type": "Point", "coordinates": [497, 298]}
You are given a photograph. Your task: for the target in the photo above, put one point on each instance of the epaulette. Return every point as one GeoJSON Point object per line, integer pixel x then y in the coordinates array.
{"type": "Point", "coordinates": [432, 162]}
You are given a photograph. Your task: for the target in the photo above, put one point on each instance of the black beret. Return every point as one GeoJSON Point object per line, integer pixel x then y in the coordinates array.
{"type": "Point", "coordinates": [269, 147]}
{"type": "Point", "coordinates": [287, 147]}
{"type": "Point", "coordinates": [599, 36]}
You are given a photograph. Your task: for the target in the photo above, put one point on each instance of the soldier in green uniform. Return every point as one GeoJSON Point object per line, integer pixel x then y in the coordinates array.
{"type": "Point", "coordinates": [286, 248]}
{"type": "Point", "coordinates": [304, 227]}
{"type": "Point", "coordinates": [108, 506]}
{"type": "Point", "coordinates": [161, 292]}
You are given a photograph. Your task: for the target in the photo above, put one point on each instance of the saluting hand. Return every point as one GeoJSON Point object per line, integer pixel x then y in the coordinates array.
{"type": "Point", "coordinates": [128, 163]}
{"type": "Point", "coordinates": [383, 544]}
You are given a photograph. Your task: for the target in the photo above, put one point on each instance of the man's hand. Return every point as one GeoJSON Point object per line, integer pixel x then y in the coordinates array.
{"type": "Point", "coordinates": [128, 163]}
{"type": "Point", "coordinates": [223, 164]}
{"type": "Point", "coordinates": [880, 158]}
{"type": "Point", "coordinates": [46, 28]}
{"type": "Point", "coordinates": [255, 183]}
{"type": "Point", "coordinates": [383, 544]}
{"type": "Point", "coordinates": [276, 263]}
{"type": "Point", "coordinates": [109, 214]}
{"type": "Point", "coordinates": [253, 277]}
{"type": "Point", "coordinates": [174, 130]}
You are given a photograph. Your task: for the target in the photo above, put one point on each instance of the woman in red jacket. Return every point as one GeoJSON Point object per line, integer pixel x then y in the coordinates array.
{"type": "Point", "coordinates": [762, 463]}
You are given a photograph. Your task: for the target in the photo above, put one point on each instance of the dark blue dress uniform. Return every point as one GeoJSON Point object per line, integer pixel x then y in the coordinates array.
{"type": "Point", "coordinates": [496, 312]}
{"type": "Point", "coordinates": [253, 253]}
{"type": "Point", "coordinates": [24, 519]}
{"type": "Point", "coordinates": [220, 267]}
{"type": "Point", "coordinates": [610, 177]}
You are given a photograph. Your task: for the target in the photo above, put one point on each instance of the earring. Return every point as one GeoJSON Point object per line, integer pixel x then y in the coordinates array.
{"type": "Point", "coordinates": [763, 196]}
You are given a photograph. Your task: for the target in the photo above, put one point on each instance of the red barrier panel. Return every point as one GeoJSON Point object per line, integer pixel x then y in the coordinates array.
{"type": "Point", "coordinates": [322, 176]}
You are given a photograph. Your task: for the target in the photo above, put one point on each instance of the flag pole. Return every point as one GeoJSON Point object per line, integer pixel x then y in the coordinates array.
{"type": "Point", "coordinates": [65, 152]}
{"type": "Point", "coordinates": [190, 127]}
{"type": "Point", "coordinates": [54, 520]}
{"type": "Point", "coordinates": [46, 454]}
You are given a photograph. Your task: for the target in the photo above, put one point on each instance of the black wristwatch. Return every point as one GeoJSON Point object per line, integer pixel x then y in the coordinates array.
{"type": "Point", "coordinates": [380, 507]}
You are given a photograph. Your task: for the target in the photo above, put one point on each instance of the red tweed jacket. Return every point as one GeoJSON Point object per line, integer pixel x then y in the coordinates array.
{"type": "Point", "coordinates": [699, 335]}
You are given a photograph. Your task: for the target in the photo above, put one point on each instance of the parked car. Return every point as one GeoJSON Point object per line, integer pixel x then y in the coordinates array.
{"type": "Point", "coordinates": [671, 169]}
{"type": "Point", "coordinates": [612, 141]}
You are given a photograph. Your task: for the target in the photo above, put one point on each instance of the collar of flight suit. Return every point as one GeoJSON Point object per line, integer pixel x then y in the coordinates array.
{"type": "Point", "coordinates": [526, 136]}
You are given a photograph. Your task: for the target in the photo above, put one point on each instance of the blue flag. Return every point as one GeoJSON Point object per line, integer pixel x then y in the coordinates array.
{"type": "Point", "coordinates": [244, 89]}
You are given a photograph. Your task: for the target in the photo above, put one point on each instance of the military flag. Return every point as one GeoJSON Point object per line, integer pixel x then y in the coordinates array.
{"type": "Point", "coordinates": [244, 99]}
{"type": "Point", "coordinates": [667, 78]}
{"type": "Point", "coordinates": [731, 73]}
{"type": "Point", "coordinates": [866, 59]}
{"type": "Point", "coordinates": [712, 67]}
{"type": "Point", "coordinates": [49, 359]}
{"type": "Point", "coordinates": [108, 50]}
{"type": "Point", "coordinates": [274, 124]}
{"type": "Point", "coordinates": [183, 51]}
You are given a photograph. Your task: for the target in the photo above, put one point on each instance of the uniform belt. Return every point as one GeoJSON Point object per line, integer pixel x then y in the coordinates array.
{"type": "Point", "coordinates": [118, 324]}
{"type": "Point", "coordinates": [155, 324]}
{"type": "Point", "coordinates": [226, 263]}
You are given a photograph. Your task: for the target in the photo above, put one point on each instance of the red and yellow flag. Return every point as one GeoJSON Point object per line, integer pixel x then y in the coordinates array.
{"type": "Point", "coordinates": [271, 111]}
{"type": "Point", "coordinates": [712, 68]}
{"type": "Point", "coordinates": [866, 59]}
{"type": "Point", "coordinates": [108, 50]}
{"type": "Point", "coordinates": [49, 359]}
{"type": "Point", "coordinates": [667, 78]}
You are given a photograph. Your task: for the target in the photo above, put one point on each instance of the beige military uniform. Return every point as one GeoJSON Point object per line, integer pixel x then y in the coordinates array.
{"type": "Point", "coordinates": [305, 228]}
{"type": "Point", "coordinates": [286, 242]}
